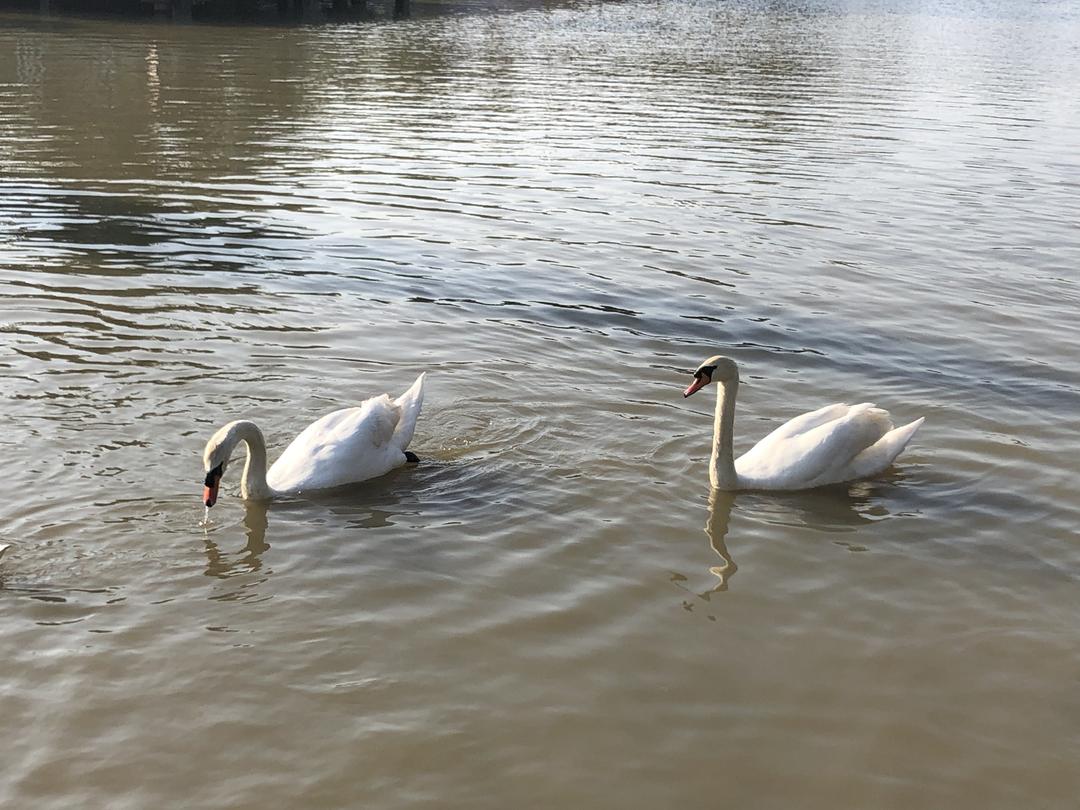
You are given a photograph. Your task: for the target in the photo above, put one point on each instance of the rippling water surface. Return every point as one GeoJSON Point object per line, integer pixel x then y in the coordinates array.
{"type": "Point", "coordinates": [557, 212]}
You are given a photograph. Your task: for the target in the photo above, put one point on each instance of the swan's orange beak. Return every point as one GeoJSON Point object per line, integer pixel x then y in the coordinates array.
{"type": "Point", "coordinates": [701, 379]}
{"type": "Point", "coordinates": [210, 488]}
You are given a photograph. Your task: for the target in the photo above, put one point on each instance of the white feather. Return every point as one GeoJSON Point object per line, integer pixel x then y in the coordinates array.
{"type": "Point", "coordinates": [828, 446]}
{"type": "Point", "coordinates": [343, 447]}
{"type": "Point", "coordinates": [856, 441]}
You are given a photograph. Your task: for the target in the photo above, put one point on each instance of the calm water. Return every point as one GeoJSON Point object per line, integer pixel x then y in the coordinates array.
{"type": "Point", "coordinates": [558, 212]}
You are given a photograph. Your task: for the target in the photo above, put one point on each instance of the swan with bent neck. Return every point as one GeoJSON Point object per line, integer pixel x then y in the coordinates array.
{"type": "Point", "coordinates": [343, 447]}
{"type": "Point", "coordinates": [831, 445]}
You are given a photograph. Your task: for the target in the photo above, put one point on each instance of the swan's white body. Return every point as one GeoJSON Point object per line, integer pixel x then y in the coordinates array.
{"type": "Point", "coordinates": [831, 445]}
{"type": "Point", "coordinates": [343, 447]}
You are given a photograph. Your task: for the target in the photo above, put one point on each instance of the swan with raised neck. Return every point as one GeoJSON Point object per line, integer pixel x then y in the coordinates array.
{"type": "Point", "coordinates": [725, 373]}
{"type": "Point", "coordinates": [831, 445]}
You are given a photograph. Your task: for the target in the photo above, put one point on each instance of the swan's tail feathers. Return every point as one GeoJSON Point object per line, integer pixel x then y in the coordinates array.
{"type": "Point", "coordinates": [410, 403]}
{"type": "Point", "coordinates": [879, 417]}
{"type": "Point", "coordinates": [877, 457]}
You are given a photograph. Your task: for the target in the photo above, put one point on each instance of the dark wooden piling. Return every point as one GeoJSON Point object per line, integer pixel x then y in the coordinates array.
{"type": "Point", "coordinates": [183, 11]}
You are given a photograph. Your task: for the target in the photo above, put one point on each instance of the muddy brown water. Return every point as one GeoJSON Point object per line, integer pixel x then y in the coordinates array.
{"type": "Point", "coordinates": [557, 212]}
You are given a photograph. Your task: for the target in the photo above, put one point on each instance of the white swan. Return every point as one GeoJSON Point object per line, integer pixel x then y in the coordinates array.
{"type": "Point", "coordinates": [828, 446]}
{"type": "Point", "coordinates": [343, 447]}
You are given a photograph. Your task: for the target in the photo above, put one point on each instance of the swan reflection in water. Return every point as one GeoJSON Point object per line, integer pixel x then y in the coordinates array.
{"type": "Point", "coordinates": [720, 504]}
{"type": "Point", "coordinates": [832, 510]}
{"type": "Point", "coordinates": [222, 565]}
{"type": "Point", "coordinates": [370, 505]}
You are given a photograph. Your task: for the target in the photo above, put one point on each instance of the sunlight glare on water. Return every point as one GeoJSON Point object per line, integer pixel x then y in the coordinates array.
{"type": "Point", "coordinates": [558, 211]}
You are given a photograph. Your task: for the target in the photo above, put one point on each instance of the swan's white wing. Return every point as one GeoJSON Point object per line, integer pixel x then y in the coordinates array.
{"type": "Point", "coordinates": [793, 427]}
{"type": "Point", "coordinates": [815, 457]}
{"type": "Point", "coordinates": [409, 404]}
{"type": "Point", "coordinates": [345, 446]}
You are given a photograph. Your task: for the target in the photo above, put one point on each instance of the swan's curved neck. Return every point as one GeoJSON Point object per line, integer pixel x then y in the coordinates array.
{"type": "Point", "coordinates": [253, 485]}
{"type": "Point", "coordinates": [722, 465]}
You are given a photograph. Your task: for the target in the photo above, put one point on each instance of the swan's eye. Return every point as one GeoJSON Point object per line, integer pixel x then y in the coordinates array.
{"type": "Point", "coordinates": [707, 372]}
{"type": "Point", "coordinates": [214, 475]}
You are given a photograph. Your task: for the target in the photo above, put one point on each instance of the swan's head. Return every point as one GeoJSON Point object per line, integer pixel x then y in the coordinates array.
{"type": "Point", "coordinates": [215, 460]}
{"type": "Point", "coordinates": [717, 369]}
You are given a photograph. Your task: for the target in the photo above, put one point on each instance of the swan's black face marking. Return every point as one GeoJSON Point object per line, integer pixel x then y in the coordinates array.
{"type": "Point", "coordinates": [214, 476]}
{"type": "Point", "coordinates": [213, 480]}
{"type": "Point", "coordinates": [702, 377]}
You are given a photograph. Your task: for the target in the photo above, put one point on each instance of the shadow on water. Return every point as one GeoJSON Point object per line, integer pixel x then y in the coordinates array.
{"type": "Point", "coordinates": [833, 509]}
